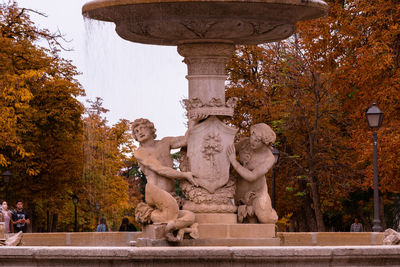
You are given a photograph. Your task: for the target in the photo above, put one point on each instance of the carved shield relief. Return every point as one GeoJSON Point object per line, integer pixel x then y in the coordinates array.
{"type": "Point", "coordinates": [207, 145]}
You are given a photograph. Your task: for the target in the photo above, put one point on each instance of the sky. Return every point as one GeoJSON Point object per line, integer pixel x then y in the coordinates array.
{"type": "Point", "coordinates": [134, 80]}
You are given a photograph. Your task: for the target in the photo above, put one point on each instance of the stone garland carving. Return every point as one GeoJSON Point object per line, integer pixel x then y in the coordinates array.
{"type": "Point", "coordinates": [201, 201]}
{"type": "Point", "coordinates": [216, 106]}
{"type": "Point", "coordinates": [198, 199]}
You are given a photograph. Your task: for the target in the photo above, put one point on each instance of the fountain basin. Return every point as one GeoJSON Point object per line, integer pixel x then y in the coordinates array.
{"type": "Point", "coordinates": [166, 22]}
{"type": "Point", "coordinates": [123, 239]}
{"type": "Point", "coordinates": [201, 256]}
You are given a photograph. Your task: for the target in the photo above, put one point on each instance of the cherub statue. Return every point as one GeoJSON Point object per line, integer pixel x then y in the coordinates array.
{"type": "Point", "coordinates": [154, 159]}
{"type": "Point", "coordinates": [255, 160]}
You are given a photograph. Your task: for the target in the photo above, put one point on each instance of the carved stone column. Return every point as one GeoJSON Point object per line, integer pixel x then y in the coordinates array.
{"type": "Point", "coordinates": [209, 139]}
{"type": "Point", "coordinates": [206, 69]}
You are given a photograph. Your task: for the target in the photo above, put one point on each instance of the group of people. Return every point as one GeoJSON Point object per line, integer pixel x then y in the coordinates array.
{"type": "Point", "coordinates": [16, 220]}
{"type": "Point", "coordinates": [126, 226]}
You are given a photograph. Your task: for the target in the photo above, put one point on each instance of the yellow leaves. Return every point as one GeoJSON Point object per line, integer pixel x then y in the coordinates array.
{"type": "Point", "coordinates": [284, 222]}
{"type": "Point", "coordinates": [3, 161]}
{"type": "Point", "coordinates": [32, 172]}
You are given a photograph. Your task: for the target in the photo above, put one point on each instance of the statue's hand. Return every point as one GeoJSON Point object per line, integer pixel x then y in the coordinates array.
{"type": "Point", "coordinates": [190, 178]}
{"type": "Point", "coordinates": [194, 120]}
{"type": "Point", "coordinates": [231, 153]}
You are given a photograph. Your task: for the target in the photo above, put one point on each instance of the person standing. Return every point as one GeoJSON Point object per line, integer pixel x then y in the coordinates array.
{"type": "Point", "coordinates": [356, 226]}
{"type": "Point", "coordinates": [126, 226]}
{"type": "Point", "coordinates": [102, 227]}
{"type": "Point", "coordinates": [20, 218]}
{"type": "Point", "coordinates": [6, 218]}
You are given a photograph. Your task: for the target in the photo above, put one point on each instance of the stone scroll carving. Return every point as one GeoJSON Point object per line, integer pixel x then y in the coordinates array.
{"type": "Point", "coordinates": [255, 160]}
{"type": "Point", "coordinates": [156, 163]}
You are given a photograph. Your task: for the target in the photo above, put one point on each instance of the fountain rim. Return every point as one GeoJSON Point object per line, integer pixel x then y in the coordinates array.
{"type": "Point", "coordinates": [97, 4]}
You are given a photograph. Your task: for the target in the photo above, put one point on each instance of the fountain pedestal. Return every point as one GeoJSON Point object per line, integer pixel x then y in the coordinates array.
{"type": "Point", "coordinates": [206, 32]}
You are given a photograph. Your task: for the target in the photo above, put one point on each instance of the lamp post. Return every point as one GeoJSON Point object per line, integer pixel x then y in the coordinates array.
{"type": "Point", "coordinates": [75, 200]}
{"type": "Point", "coordinates": [7, 175]}
{"type": "Point", "coordinates": [374, 117]}
{"type": "Point", "coordinates": [98, 211]}
{"type": "Point", "coordinates": [276, 154]}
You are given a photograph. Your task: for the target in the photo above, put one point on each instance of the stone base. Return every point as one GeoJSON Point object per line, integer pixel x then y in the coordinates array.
{"type": "Point", "coordinates": [153, 231]}
{"type": "Point", "coordinates": [217, 231]}
{"type": "Point", "coordinates": [216, 218]}
{"type": "Point", "coordinates": [245, 231]}
{"type": "Point", "coordinates": [231, 242]}
{"type": "Point", "coordinates": [214, 234]}
{"type": "Point", "coordinates": [200, 256]}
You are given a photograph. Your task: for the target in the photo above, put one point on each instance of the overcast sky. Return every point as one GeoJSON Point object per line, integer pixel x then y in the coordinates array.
{"type": "Point", "coordinates": [135, 80]}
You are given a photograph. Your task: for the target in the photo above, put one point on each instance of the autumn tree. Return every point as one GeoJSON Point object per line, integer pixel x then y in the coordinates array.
{"type": "Point", "coordinates": [40, 117]}
{"type": "Point", "coordinates": [107, 152]}
{"type": "Point", "coordinates": [314, 89]}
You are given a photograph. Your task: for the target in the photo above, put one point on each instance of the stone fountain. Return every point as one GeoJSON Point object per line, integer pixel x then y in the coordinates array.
{"type": "Point", "coordinates": [205, 32]}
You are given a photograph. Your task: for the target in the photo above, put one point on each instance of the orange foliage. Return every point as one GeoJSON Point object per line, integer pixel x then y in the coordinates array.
{"type": "Point", "coordinates": [314, 89]}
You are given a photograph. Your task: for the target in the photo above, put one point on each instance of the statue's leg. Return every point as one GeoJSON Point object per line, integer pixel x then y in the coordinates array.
{"type": "Point", "coordinates": [166, 208]}
{"type": "Point", "coordinates": [263, 209]}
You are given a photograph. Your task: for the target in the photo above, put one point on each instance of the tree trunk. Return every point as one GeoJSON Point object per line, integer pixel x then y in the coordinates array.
{"type": "Point", "coordinates": [310, 215]}
{"type": "Point", "coordinates": [48, 220]}
{"type": "Point", "coordinates": [54, 222]}
{"type": "Point", "coordinates": [305, 216]}
{"type": "Point", "coordinates": [34, 219]}
{"type": "Point", "coordinates": [317, 205]}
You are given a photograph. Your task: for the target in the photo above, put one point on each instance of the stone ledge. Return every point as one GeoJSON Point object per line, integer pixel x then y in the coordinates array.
{"type": "Point", "coordinates": [121, 239]}
{"type": "Point", "coordinates": [330, 238]}
{"type": "Point", "coordinates": [200, 256]}
{"type": "Point", "coordinates": [92, 239]}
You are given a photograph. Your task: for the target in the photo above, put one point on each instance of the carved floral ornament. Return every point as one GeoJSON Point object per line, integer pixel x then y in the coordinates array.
{"type": "Point", "coordinates": [211, 146]}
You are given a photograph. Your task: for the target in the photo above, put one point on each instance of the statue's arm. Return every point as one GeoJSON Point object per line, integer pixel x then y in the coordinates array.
{"type": "Point", "coordinates": [245, 173]}
{"type": "Point", "coordinates": [176, 142]}
{"type": "Point", "coordinates": [155, 166]}
{"type": "Point", "coordinates": [181, 141]}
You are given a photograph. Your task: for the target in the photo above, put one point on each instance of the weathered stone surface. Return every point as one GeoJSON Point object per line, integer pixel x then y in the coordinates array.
{"type": "Point", "coordinates": [216, 231]}
{"type": "Point", "coordinates": [392, 237]}
{"type": "Point", "coordinates": [207, 142]}
{"type": "Point", "coordinates": [165, 22]}
{"type": "Point", "coordinates": [93, 239]}
{"type": "Point", "coordinates": [330, 239]}
{"type": "Point", "coordinates": [201, 256]}
{"type": "Point", "coordinates": [121, 239]}
{"type": "Point", "coordinates": [220, 218]}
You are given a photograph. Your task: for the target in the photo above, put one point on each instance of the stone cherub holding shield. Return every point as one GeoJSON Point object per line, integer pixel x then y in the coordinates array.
{"type": "Point", "coordinates": [155, 161]}
{"type": "Point", "coordinates": [255, 160]}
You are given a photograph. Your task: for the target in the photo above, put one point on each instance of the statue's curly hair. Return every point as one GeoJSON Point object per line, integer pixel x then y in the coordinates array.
{"type": "Point", "coordinates": [146, 123]}
{"type": "Point", "coordinates": [267, 135]}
